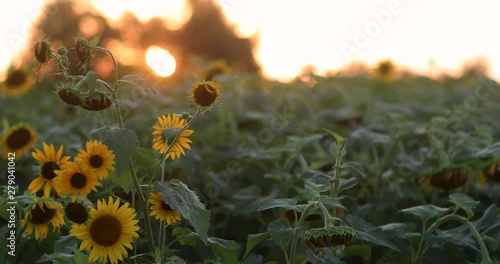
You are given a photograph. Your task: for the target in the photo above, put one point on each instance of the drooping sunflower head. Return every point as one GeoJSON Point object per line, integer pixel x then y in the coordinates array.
{"type": "Point", "coordinates": [83, 49]}
{"type": "Point", "coordinates": [96, 159]}
{"type": "Point", "coordinates": [43, 52]}
{"type": "Point", "coordinates": [76, 212]}
{"type": "Point", "coordinates": [329, 236]}
{"type": "Point", "coordinates": [217, 67]}
{"type": "Point", "coordinates": [17, 82]}
{"type": "Point", "coordinates": [171, 136]}
{"type": "Point", "coordinates": [74, 181]}
{"type": "Point", "coordinates": [109, 231]}
{"type": "Point", "coordinates": [41, 213]}
{"type": "Point", "coordinates": [50, 161]}
{"type": "Point", "coordinates": [18, 139]}
{"type": "Point", "coordinates": [490, 173]}
{"type": "Point", "coordinates": [161, 210]}
{"type": "Point", "coordinates": [69, 95]}
{"type": "Point", "coordinates": [205, 94]}
{"type": "Point", "coordinates": [446, 179]}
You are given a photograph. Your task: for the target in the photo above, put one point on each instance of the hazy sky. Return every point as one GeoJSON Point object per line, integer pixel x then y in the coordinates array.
{"type": "Point", "coordinates": [325, 33]}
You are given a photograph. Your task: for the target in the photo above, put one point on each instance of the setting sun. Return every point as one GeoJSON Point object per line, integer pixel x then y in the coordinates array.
{"type": "Point", "coordinates": [160, 61]}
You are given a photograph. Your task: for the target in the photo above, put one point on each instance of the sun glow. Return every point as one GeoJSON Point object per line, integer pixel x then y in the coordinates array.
{"type": "Point", "coordinates": [160, 61]}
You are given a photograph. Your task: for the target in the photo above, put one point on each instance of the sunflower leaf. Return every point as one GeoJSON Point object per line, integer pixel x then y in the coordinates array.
{"type": "Point", "coordinates": [224, 249]}
{"type": "Point", "coordinates": [142, 85]}
{"type": "Point", "coordinates": [123, 143]}
{"type": "Point", "coordinates": [286, 203]}
{"type": "Point", "coordinates": [253, 240]}
{"type": "Point", "coordinates": [465, 202]}
{"type": "Point", "coordinates": [281, 233]}
{"type": "Point", "coordinates": [179, 197]}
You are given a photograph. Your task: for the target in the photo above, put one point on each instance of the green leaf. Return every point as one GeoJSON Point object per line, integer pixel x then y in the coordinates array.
{"type": "Point", "coordinates": [340, 140]}
{"type": "Point", "coordinates": [224, 249]}
{"type": "Point", "coordinates": [91, 79]}
{"type": "Point", "coordinates": [179, 197]}
{"type": "Point", "coordinates": [281, 233]}
{"type": "Point", "coordinates": [489, 151]}
{"type": "Point", "coordinates": [65, 244]}
{"type": "Point", "coordinates": [425, 212]}
{"type": "Point", "coordinates": [123, 143]}
{"type": "Point", "coordinates": [346, 184]}
{"type": "Point", "coordinates": [331, 202]}
{"type": "Point", "coordinates": [139, 84]}
{"type": "Point", "coordinates": [253, 240]}
{"type": "Point", "coordinates": [357, 250]}
{"type": "Point", "coordinates": [185, 236]}
{"type": "Point", "coordinates": [356, 166]}
{"type": "Point", "coordinates": [368, 232]}
{"type": "Point", "coordinates": [58, 258]}
{"type": "Point", "coordinates": [124, 180]}
{"type": "Point", "coordinates": [465, 202]}
{"type": "Point", "coordinates": [144, 157]}
{"type": "Point", "coordinates": [286, 203]}
{"type": "Point", "coordinates": [95, 40]}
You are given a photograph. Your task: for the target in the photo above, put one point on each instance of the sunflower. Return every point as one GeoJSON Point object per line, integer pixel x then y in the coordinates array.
{"type": "Point", "coordinates": [76, 212]}
{"type": "Point", "coordinates": [445, 179]}
{"type": "Point", "coordinates": [75, 181]}
{"type": "Point", "coordinates": [96, 159]}
{"type": "Point", "coordinates": [110, 229]}
{"type": "Point", "coordinates": [18, 139]}
{"type": "Point", "coordinates": [39, 214]}
{"type": "Point", "coordinates": [162, 143]}
{"type": "Point", "coordinates": [17, 83]}
{"type": "Point", "coordinates": [217, 67]}
{"type": "Point", "coordinates": [385, 70]}
{"type": "Point", "coordinates": [43, 53]}
{"type": "Point", "coordinates": [50, 162]}
{"type": "Point", "coordinates": [492, 172]}
{"type": "Point", "coordinates": [204, 94]}
{"type": "Point", "coordinates": [161, 210]}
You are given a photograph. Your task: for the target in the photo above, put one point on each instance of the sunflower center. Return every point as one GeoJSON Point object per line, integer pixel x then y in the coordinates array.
{"type": "Point", "coordinates": [96, 161]}
{"type": "Point", "coordinates": [19, 138]}
{"type": "Point", "coordinates": [106, 230]}
{"type": "Point", "coordinates": [48, 169]}
{"type": "Point", "coordinates": [78, 180]}
{"type": "Point", "coordinates": [205, 95]}
{"type": "Point", "coordinates": [165, 206]}
{"type": "Point", "coordinates": [76, 213]}
{"type": "Point", "coordinates": [41, 215]}
{"type": "Point", "coordinates": [16, 78]}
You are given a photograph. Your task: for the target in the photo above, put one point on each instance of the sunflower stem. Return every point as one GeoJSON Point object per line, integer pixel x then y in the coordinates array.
{"type": "Point", "coordinates": [147, 220]}
{"type": "Point", "coordinates": [115, 83]}
{"type": "Point", "coordinates": [295, 239]}
{"type": "Point", "coordinates": [164, 241]}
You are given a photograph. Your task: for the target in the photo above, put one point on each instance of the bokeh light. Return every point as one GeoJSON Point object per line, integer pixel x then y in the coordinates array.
{"type": "Point", "coordinates": [160, 61]}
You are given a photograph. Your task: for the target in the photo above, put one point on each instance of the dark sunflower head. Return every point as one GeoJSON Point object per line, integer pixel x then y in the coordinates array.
{"type": "Point", "coordinates": [42, 52]}
{"type": "Point", "coordinates": [76, 212]}
{"type": "Point", "coordinates": [69, 96]}
{"type": "Point", "coordinates": [204, 94]}
{"type": "Point", "coordinates": [84, 54]}
{"type": "Point", "coordinates": [385, 70]}
{"type": "Point", "coordinates": [18, 139]}
{"type": "Point", "coordinates": [96, 102]}
{"type": "Point", "coordinates": [446, 179]}
{"type": "Point", "coordinates": [329, 236]}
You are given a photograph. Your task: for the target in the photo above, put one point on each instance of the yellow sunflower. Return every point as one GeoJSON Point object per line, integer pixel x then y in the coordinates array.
{"type": "Point", "coordinates": [162, 143]}
{"type": "Point", "coordinates": [109, 231]}
{"type": "Point", "coordinates": [18, 139]}
{"type": "Point", "coordinates": [74, 181]}
{"type": "Point", "coordinates": [492, 172]}
{"type": "Point", "coordinates": [17, 83]}
{"type": "Point", "coordinates": [50, 162]}
{"type": "Point", "coordinates": [40, 213]}
{"type": "Point", "coordinates": [385, 70]}
{"type": "Point", "coordinates": [205, 93]}
{"type": "Point", "coordinates": [96, 159]}
{"type": "Point", "coordinates": [161, 210]}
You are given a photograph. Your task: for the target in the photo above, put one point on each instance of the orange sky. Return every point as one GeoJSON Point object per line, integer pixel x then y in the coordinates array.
{"type": "Point", "coordinates": [325, 33]}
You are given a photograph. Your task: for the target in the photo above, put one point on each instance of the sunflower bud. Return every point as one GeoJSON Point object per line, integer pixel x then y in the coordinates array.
{"type": "Point", "coordinates": [62, 50]}
{"type": "Point", "coordinates": [42, 53]}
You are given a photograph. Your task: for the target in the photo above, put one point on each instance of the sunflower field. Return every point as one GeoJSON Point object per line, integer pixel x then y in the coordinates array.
{"type": "Point", "coordinates": [234, 168]}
